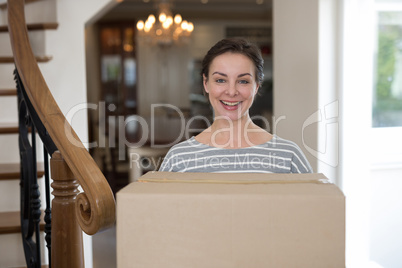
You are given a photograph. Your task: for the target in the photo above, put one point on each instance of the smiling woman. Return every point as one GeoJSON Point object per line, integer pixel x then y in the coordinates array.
{"type": "Point", "coordinates": [231, 86]}
{"type": "Point", "coordinates": [232, 73]}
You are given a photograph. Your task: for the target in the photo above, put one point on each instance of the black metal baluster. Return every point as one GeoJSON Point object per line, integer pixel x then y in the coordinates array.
{"type": "Point", "coordinates": [48, 215]}
{"type": "Point", "coordinates": [35, 198]}
{"type": "Point", "coordinates": [26, 173]}
{"type": "Point", "coordinates": [29, 188]}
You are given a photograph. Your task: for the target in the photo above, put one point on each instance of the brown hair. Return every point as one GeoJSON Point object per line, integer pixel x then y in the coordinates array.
{"type": "Point", "coordinates": [235, 45]}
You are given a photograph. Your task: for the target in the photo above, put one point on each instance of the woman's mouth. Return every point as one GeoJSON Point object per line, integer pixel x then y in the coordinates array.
{"type": "Point", "coordinates": [230, 105]}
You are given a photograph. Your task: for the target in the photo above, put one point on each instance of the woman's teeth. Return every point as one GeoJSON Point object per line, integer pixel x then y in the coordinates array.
{"type": "Point", "coordinates": [230, 103]}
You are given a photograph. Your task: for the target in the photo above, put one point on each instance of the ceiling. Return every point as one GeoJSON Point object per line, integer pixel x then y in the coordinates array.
{"type": "Point", "coordinates": [195, 10]}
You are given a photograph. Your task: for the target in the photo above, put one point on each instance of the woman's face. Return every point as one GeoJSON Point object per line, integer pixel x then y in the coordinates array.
{"type": "Point", "coordinates": [231, 85]}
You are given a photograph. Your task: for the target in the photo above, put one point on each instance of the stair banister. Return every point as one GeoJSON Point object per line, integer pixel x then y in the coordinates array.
{"type": "Point", "coordinates": [95, 206]}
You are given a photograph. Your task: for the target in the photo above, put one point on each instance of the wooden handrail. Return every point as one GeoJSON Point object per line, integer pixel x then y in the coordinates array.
{"type": "Point", "coordinates": [4, 5]}
{"type": "Point", "coordinates": [96, 205]}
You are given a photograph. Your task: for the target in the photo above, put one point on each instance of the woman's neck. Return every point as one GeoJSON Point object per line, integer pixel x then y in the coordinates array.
{"type": "Point", "coordinates": [233, 133]}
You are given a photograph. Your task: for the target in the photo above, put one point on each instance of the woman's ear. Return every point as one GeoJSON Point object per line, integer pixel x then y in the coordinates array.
{"type": "Point", "coordinates": [204, 82]}
{"type": "Point", "coordinates": [256, 89]}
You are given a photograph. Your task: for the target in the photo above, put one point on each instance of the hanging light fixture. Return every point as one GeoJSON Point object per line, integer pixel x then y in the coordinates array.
{"type": "Point", "coordinates": [166, 29]}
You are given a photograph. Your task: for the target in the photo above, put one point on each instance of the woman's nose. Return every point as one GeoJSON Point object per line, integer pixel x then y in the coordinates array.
{"type": "Point", "coordinates": [232, 90]}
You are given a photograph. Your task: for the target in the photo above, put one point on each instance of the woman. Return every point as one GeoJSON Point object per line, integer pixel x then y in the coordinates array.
{"type": "Point", "coordinates": [232, 73]}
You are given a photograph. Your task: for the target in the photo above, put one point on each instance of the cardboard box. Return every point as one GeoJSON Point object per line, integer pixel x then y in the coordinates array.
{"type": "Point", "coordinates": [208, 220]}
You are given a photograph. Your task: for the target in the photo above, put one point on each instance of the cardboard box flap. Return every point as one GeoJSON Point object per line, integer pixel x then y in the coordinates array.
{"type": "Point", "coordinates": [181, 184]}
{"type": "Point", "coordinates": [232, 178]}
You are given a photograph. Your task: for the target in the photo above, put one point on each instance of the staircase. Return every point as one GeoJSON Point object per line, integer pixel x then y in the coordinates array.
{"type": "Point", "coordinates": [90, 207]}
{"type": "Point", "coordinates": [82, 200]}
{"type": "Point", "coordinates": [11, 248]}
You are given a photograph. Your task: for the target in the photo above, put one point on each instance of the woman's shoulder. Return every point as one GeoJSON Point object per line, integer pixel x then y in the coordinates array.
{"type": "Point", "coordinates": [302, 164]}
{"type": "Point", "coordinates": [276, 140]}
{"type": "Point", "coordinates": [281, 145]}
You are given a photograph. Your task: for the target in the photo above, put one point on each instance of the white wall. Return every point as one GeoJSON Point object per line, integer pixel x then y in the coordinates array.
{"type": "Point", "coordinates": [306, 79]}
{"type": "Point", "coordinates": [355, 126]}
{"type": "Point", "coordinates": [327, 151]}
{"type": "Point", "coordinates": [295, 71]}
{"type": "Point", "coordinates": [385, 239]}
{"type": "Point", "coordinates": [65, 74]}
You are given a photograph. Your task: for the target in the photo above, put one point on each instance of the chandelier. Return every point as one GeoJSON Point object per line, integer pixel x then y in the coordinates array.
{"type": "Point", "coordinates": [167, 29]}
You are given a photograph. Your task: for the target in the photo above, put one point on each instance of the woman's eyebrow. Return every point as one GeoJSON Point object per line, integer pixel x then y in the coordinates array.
{"type": "Point", "coordinates": [219, 73]}
{"type": "Point", "coordinates": [241, 75]}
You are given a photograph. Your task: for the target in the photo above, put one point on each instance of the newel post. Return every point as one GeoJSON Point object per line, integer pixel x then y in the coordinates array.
{"type": "Point", "coordinates": [67, 246]}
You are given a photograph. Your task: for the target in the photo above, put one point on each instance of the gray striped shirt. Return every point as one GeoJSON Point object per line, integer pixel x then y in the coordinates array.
{"type": "Point", "coordinates": [275, 156]}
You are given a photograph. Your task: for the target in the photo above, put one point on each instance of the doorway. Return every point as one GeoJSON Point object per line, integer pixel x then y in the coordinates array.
{"type": "Point", "coordinates": [106, 75]}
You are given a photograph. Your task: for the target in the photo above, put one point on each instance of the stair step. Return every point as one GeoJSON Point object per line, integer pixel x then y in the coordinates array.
{"type": "Point", "coordinates": [8, 92]}
{"type": "Point", "coordinates": [38, 59]}
{"type": "Point", "coordinates": [12, 171]}
{"type": "Point", "coordinates": [8, 128]}
{"type": "Point", "coordinates": [4, 5]}
{"type": "Point", "coordinates": [43, 266]}
{"type": "Point", "coordinates": [34, 27]}
{"type": "Point", "coordinates": [10, 222]}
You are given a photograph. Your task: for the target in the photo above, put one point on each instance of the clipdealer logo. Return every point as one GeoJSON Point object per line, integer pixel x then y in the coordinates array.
{"type": "Point", "coordinates": [328, 129]}
{"type": "Point", "coordinates": [326, 118]}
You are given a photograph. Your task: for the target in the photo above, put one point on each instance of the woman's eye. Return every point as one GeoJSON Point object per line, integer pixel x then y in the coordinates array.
{"type": "Point", "coordinates": [243, 82]}
{"type": "Point", "coordinates": [220, 80]}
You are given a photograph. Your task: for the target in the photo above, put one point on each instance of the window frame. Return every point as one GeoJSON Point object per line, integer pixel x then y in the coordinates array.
{"type": "Point", "coordinates": [386, 141]}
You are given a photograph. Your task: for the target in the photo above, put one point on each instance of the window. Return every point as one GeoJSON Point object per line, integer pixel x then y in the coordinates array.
{"type": "Point", "coordinates": [387, 97]}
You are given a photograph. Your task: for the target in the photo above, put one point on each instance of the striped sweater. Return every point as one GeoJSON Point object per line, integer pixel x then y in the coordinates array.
{"type": "Point", "coordinates": [275, 156]}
